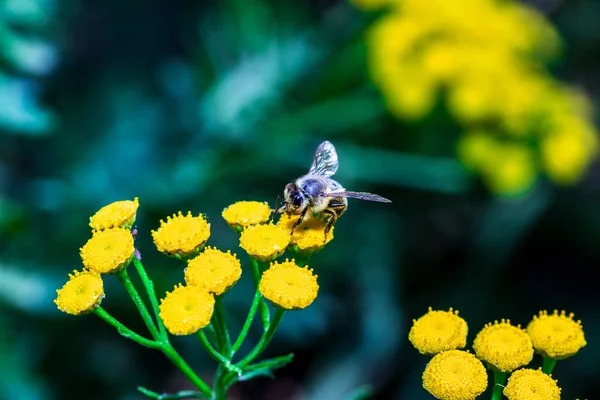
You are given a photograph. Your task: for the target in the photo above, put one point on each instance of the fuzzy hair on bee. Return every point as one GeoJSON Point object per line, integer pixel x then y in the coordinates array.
{"type": "Point", "coordinates": [318, 193]}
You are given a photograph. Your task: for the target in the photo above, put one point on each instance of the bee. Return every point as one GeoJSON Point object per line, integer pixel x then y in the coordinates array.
{"type": "Point", "coordinates": [317, 193]}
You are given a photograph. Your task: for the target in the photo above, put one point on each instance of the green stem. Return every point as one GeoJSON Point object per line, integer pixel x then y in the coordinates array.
{"type": "Point", "coordinates": [149, 286]}
{"type": "Point", "coordinates": [265, 314]}
{"type": "Point", "coordinates": [124, 331]}
{"type": "Point", "coordinates": [215, 354]}
{"type": "Point", "coordinates": [264, 340]}
{"type": "Point", "coordinates": [226, 350]}
{"type": "Point", "coordinates": [228, 379]}
{"type": "Point", "coordinates": [179, 362]}
{"type": "Point", "coordinates": [499, 381]}
{"type": "Point", "coordinates": [139, 303]}
{"type": "Point", "coordinates": [253, 308]}
{"type": "Point", "coordinates": [548, 365]}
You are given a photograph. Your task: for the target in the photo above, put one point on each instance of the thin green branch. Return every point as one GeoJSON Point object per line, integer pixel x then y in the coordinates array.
{"type": "Point", "coordinates": [253, 308]}
{"type": "Point", "coordinates": [124, 331]}
{"type": "Point", "coordinates": [499, 381]}
{"type": "Point", "coordinates": [139, 303]}
{"type": "Point", "coordinates": [149, 286]}
{"type": "Point", "coordinates": [265, 314]}
{"type": "Point", "coordinates": [216, 355]}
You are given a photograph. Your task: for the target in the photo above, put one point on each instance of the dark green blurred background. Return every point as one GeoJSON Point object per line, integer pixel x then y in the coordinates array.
{"type": "Point", "coordinates": [194, 105]}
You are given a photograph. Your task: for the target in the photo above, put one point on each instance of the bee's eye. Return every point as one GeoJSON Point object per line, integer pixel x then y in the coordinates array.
{"type": "Point", "coordinates": [297, 200]}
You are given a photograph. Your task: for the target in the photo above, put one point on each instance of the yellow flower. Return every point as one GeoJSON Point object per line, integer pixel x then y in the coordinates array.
{"type": "Point", "coordinates": [108, 251]}
{"type": "Point", "coordinates": [289, 286]}
{"type": "Point", "coordinates": [510, 170]}
{"type": "Point", "coordinates": [245, 213]}
{"type": "Point", "coordinates": [186, 309]}
{"type": "Point", "coordinates": [530, 384]}
{"type": "Point", "coordinates": [455, 375]}
{"type": "Point", "coordinates": [264, 242]}
{"type": "Point", "coordinates": [81, 294]}
{"type": "Point", "coordinates": [117, 214]}
{"type": "Point", "coordinates": [181, 236]}
{"type": "Point", "coordinates": [503, 346]}
{"type": "Point", "coordinates": [213, 269]}
{"type": "Point", "coordinates": [309, 236]}
{"type": "Point", "coordinates": [556, 336]}
{"type": "Point", "coordinates": [438, 331]}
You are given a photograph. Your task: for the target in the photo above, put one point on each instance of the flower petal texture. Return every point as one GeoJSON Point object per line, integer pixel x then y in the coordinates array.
{"type": "Point", "coordinates": [438, 331]}
{"type": "Point", "coordinates": [108, 251]}
{"type": "Point", "coordinates": [556, 335]}
{"type": "Point", "coordinates": [309, 236]}
{"type": "Point", "coordinates": [118, 214]}
{"type": "Point", "coordinates": [82, 293]}
{"type": "Point", "coordinates": [289, 286]}
{"type": "Point", "coordinates": [455, 375]}
{"type": "Point", "coordinates": [503, 346]}
{"type": "Point", "coordinates": [264, 242]}
{"type": "Point", "coordinates": [243, 214]}
{"type": "Point", "coordinates": [181, 236]}
{"type": "Point", "coordinates": [186, 309]}
{"type": "Point", "coordinates": [213, 269]}
{"type": "Point", "coordinates": [531, 384]}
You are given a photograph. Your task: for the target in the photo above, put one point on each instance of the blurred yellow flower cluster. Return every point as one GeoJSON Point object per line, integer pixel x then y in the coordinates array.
{"type": "Point", "coordinates": [487, 59]}
{"type": "Point", "coordinates": [455, 374]}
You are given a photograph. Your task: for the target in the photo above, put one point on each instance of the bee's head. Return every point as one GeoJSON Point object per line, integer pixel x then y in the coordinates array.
{"type": "Point", "coordinates": [294, 199]}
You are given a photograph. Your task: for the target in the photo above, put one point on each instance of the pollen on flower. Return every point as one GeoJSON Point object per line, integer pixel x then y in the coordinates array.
{"type": "Point", "coordinates": [108, 251]}
{"type": "Point", "coordinates": [455, 375]}
{"type": "Point", "coordinates": [186, 309]}
{"type": "Point", "coordinates": [213, 269]}
{"type": "Point", "coordinates": [557, 335]}
{"type": "Point", "coordinates": [503, 346]}
{"type": "Point", "coordinates": [438, 331]}
{"type": "Point", "coordinates": [289, 286]}
{"type": "Point", "coordinates": [309, 236]}
{"type": "Point", "coordinates": [264, 242]}
{"type": "Point", "coordinates": [82, 293]}
{"type": "Point", "coordinates": [242, 214]}
{"type": "Point", "coordinates": [117, 214]}
{"type": "Point", "coordinates": [531, 384]}
{"type": "Point", "coordinates": [181, 236]}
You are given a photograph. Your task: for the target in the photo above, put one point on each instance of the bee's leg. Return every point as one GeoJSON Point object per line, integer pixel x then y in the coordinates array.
{"type": "Point", "coordinates": [335, 210]}
{"type": "Point", "coordinates": [299, 220]}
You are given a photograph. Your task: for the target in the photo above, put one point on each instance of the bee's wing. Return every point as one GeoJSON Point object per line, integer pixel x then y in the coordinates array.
{"type": "Point", "coordinates": [325, 161]}
{"type": "Point", "coordinates": [360, 195]}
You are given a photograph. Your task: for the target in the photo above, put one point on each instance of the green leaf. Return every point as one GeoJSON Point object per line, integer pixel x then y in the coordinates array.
{"type": "Point", "coordinates": [184, 394]}
{"type": "Point", "coordinates": [266, 367]}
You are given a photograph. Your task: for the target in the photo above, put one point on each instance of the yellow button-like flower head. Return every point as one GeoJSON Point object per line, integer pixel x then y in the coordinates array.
{"type": "Point", "coordinates": [531, 384]}
{"type": "Point", "coordinates": [186, 309]}
{"type": "Point", "coordinates": [243, 214]}
{"type": "Point", "coordinates": [264, 242]}
{"type": "Point", "coordinates": [108, 251]}
{"type": "Point", "coordinates": [213, 269]}
{"type": "Point", "coordinates": [182, 236]}
{"type": "Point", "coordinates": [438, 331]}
{"type": "Point", "coordinates": [309, 236]}
{"type": "Point", "coordinates": [455, 375]}
{"type": "Point", "coordinates": [503, 346]}
{"type": "Point", "coordinates": [117, 214]}
{"type": "Point", "coordinates": [556, 336]}
{"type": "Point", "coordinates": [289, 286]}
{"type": "Point", "coordinates": [81, 294]}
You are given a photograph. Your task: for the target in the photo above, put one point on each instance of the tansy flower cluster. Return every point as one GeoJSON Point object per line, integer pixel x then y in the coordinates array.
{"type": "Point", "coordinates": [109, 251]}
{"type": "Point", "coordinates": [487, 59]}
{"type": "Point", "coordinates": [209, 273]}
{"type": "Point", "coordinates": [503, 348]}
